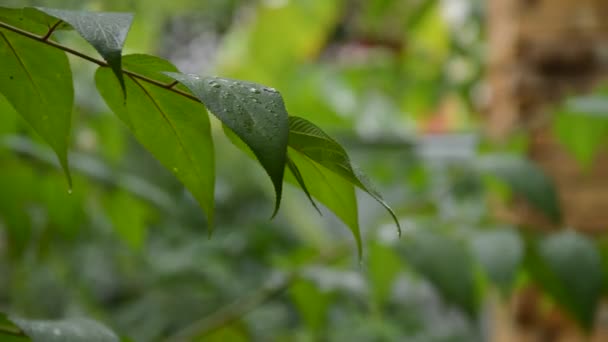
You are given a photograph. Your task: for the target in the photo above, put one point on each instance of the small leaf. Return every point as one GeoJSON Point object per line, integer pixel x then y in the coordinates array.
{"type": "Point", "coordinates": [105, 31]}
{"type": "Point", "coordinates": [333, 191]}
{"type": "Point", "coordinates": [37, 80]}
{"type": "Point", "coordinates": [500, 253]}
{"type": "Point", "coordinates": [447, 264]}
{"type": "Point", "coordinates": [256, 114]}
{"type": "Point", "coordinates": [173, 128]}
{"type": "Point", "coordinates": [525, 179]}
{"type": "Point", "coordinates": [67, 330]}
{"type": "Point", "coordinates": [310, 140]}
{"type": "Point", "coordinates": [293, 168]}
{"type": "Point", "coordinates": [568, 265]}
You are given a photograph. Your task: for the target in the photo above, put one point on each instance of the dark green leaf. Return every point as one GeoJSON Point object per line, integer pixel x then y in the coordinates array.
{"type": "Point", "coordinates": [568, 265]}
{"type": "Point", "coordinates": [525, 179]}
{"type": "Point", "coordinates": [500, 253]}
{"type": "Point", "coordinates": [37, 80]}
{"type": "Point", "coordinates": [105, 31]}
{"type": "Point", "coordinates": [256, 114]}
{"type": "Point", "coordinates": [308, 139]}
{"type": "Point", "coordinates": [173, 128]}
{"type": "Point", "coordinates": [333, 191]}
{"type": "Point", "coordinates": [67, 330]}
{"type": "Point", "coordinates": [447, 264]}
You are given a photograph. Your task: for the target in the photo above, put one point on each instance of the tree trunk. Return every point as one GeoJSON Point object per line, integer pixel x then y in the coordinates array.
{"type": "Point", "coordinates": [539, 52]}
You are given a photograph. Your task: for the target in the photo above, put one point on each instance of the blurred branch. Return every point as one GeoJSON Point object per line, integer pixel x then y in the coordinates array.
{"type": "Point", "coordinates": [94, 169]}
{"type": "Point", "coordinates": [277, 283]}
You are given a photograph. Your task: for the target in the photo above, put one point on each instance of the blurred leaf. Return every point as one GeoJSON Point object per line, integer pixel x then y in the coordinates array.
{"type": "Point", "coordinates": [128, 216]}
{"type": "Point", "coordinates": [311, 141]}
{"type": "Point", "coordinates": [37, 80]}
{"type": "Point", "coordinates": [500, 253]}
{"type": "Point", "coordinates": [447, 264]}
{"type": "Point", "coordinates": [235, 332]}
{"type": "Point", "coordinates": [568, 266]}
{"type": "Point", "coordinates": [336, 193]}
{"type": "Point", "coordinates": [312, 303]}
{"type": "Point", "coordinates": [106, 32]}
{"type": "Point", "coordinates": [525, 179]}
{"type": "Point", "coordinates": [384, 266]}
{"type": "Point", "coordinates": [256, 114]}
{"type": "Point", "coordinates": [173, 128]}
{"type": "Point", "coordinates": [9, 332]}
{"type": "Point", "coordinates": [67, 330]}
{"type": "Point", "coordinates": [581, 129]}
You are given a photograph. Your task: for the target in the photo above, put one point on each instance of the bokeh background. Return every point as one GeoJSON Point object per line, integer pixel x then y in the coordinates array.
{"type": "Point", "coordinates": [407, 86]}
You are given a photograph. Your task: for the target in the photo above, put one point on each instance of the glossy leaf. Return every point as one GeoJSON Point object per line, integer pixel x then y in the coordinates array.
{"type": "Point", "coordinates": [568, 265]}
{"type": "Point", "coordinates": [308, 139]}
{"type": "Point", "coordinates": [173, 128]}
{"type": "Point", "coordinates": [333, 191]}
{"type": "Point", "coordinates": [256, 114]}
{"type": "Point", "coordinates": [525, 179]}
{"type": "Point", "coordinates": [500, 253]}
{"type": "Point", "coordinates": [37, 80]}
{"type": "Point", "coordinates": [67, 330]}
{"type": "Point", "coordinates": [105, 31]}
{"type": "Point", "coordinates": [447, 264]}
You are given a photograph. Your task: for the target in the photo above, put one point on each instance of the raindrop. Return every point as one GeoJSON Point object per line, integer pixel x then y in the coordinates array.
{"type": "Point", "coordinates": [270, 90]}
{"type": "Point", "coordinates": [69, 191]}
{"type": "Point", "coordinates": [254, 90]}
{"type": "Point", "coordinates": [176, 170]}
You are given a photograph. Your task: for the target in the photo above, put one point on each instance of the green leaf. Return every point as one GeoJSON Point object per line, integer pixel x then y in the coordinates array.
{"type": "Point", "coordinates": [568, 265]}
{"type": "Point", "coordinates": [312, 303]}
{"type": "Point", "coordinates": [525, 179]}
{"type": "Point", "coordinates": [447, 264]}
{"type": "Point", "coordinates": [333, 191]}
{"type": "Point", "coordinates": [67, 330]}
{"type": "Point", "coordinates": [9, 332]}
{"type": "Point", "coordinates": [308, 139]}
{"type": "Point", "coordinates": [295, 171]}
{"type": "Point", "coordinates": [384, 266]}
{"type": "Point", "coordinates": [37, 80]}
{"type": "Point", "coordinates": [256, 114]}
{"type": "Point", "coordinates": [500, 253]}
{"type": "Point", "coordinates": [105, 31]}
{"type": "Point", "coordinates": [175, 129]}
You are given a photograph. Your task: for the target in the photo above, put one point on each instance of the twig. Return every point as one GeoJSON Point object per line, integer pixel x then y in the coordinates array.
{"type": "Point", "coordinates": [51, 30]}
{"type": "Point", "coordinates": [234, 311]}
{"type": "Point", "coordinates": [101, 63]}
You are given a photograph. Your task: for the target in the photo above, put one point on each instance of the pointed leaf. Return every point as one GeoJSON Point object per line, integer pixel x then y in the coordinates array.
{"type": "Point", "coordinates": [105, 31]}
{"type": "Point", "coordinates": [37, 80]}
{"type": "Point", "coordinates": [525, 179]}
{"type": "Point", "coordinates": [256, 114]}
{"type": "Point", "coordinates": [447, 264]}
{"type": "Point", "coordinates": [293, 169]}
{"type": "Point", "coordinates": [310, 140]}
{"type": "Point", "coordinates": [568, 265]}
{"type": "Point", "coordinates": [173, 128]}
{"type": "Point", "coordinates": [67, 330]}
{"type": "Point", "coordinates": [333, 191]}
{"type": "Point", "coordinates": [500, 253]}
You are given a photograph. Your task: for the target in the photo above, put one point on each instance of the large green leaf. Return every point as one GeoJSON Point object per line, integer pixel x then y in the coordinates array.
{"type": "Point", "coordinates": [256, 114]}
{"type": "Point", "coordinates": [525, 179]}
{"type": "Point", "coordinates": [568, 265]}
{"type": "Point", "coordinates": [500, 253]}
{"type": "Point", "coordinates": [105, 31]}
{"type": "Point", "coordinates": [447, 264]}
{"type": "Point", "coordinates": [37, 80]}
{"type": "Point", "coordinates": [173, 128]}
{"type": "Point", "coordinates": [67, 330]}
{"type": "Point", "coordinates": [333, 191]}
{"type": "Point", "coordinates": [308, 139]}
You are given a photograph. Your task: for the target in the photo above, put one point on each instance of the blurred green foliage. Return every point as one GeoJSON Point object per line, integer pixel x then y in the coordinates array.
{"type": "Point", "coordinates": [396, 81]}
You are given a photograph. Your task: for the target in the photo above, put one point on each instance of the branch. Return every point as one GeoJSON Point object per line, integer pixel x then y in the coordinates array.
{"type": "Point", "coordinates": [278, 283]}
{"type": "Point", "coordinates": [44, 39]}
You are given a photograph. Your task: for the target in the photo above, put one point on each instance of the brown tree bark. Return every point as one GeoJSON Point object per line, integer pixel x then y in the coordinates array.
{"type": "Point", "coordinates": [541, 51]}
